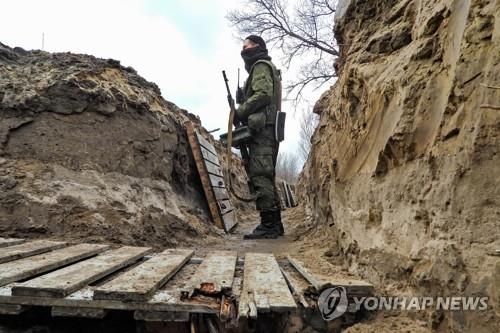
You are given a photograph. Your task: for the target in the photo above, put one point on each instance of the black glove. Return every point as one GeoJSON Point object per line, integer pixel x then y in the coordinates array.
{"type": "Point", "coordinates": [239, 95]}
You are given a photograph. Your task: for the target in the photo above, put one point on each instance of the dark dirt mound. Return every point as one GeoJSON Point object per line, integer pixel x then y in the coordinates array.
{"type": "Point", "coordinates": [90, 150]}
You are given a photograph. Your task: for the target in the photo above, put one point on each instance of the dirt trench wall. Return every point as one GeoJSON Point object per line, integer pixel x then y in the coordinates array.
{"type": "Point", "coordinates": [89, 150]}
{"type": "Point", "coordinates": [404, 171]}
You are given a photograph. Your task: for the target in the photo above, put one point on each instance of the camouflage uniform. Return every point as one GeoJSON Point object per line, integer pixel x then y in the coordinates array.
{"type": "Point", "coordinates": [262, 95]}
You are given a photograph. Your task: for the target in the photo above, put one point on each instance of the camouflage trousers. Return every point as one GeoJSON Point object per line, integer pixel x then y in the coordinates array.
{"type": "Point", "coordinates": [263, 151]}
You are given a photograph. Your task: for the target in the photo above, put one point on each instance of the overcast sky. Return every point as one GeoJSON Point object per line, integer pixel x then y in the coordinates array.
{"type": "Point", "coordinates": [181, 45]}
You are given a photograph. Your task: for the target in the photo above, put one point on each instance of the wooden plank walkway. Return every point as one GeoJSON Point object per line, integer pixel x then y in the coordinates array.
{"type": "Point", "coordinates": [264, 287]}
{"type": "Point", "coordinates": [212, 179]}
{"type": "Point", "coordinates": [24, 268]}
{"type": "Point", "coordinates": [67, 280]}
{"type": "Point", "coordinates": [214, 275]}
{"type": "Point", "coordinates": [141, 282]}
{"type": "Point", "coordinates": [320, 282]}
{"type": "Point", "coordinates": [89, 280]}
{"type": "Point", "coordinates": [10, 241]}
{"type": "Point", "coordinates": [24, 250]}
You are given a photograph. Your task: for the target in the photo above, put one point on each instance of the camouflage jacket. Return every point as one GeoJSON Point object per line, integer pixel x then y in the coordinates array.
{"type": "Point", "coordinates": [262, 91]}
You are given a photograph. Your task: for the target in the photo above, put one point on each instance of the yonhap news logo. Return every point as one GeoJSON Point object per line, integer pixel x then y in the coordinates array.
{"type": "Point", "coordinates": [333, 303]}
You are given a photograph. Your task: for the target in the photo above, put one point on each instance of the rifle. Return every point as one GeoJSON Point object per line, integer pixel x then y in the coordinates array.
{"type": "Point", "coordinates": [243, 148]}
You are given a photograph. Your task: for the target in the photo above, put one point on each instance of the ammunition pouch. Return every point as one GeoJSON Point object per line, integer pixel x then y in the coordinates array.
{"type": "Point", "coordinates": [257, 121]}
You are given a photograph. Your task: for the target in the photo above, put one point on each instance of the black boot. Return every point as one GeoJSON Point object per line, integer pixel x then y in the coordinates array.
{"type": "Point", "coordinates": [266, 229]}
{"type": "Point", "coordinates": [281, 228]}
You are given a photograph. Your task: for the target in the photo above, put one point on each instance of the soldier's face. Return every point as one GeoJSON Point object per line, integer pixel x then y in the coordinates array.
{"type": "Point", "coordinates": [248, 44]}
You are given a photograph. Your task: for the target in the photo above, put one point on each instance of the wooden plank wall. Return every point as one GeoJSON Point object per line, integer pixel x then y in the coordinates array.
{"type": "Point", "coordinates": [287, 194]}
{"type": "Point", "coordinates": [212, 179]}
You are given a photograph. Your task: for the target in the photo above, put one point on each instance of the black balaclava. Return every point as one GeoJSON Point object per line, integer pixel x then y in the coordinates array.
{"type": "Point", "coordinates": [251, 55]}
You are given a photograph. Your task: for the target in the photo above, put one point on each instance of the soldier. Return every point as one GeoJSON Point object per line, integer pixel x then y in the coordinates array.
{"type": "Point", "coordinates": [259, 102]}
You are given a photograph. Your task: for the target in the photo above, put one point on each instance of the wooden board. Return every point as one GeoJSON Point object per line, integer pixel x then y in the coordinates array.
{"type": "Point", "coordinates": [10, 241]}
{"type": "Point", "coordinates": [286, 195]}
{"type": "Point", "coordinates": [65, 281]}
{"type": "Point", "coordinates": [298, 288]}
{"type": "Point", "coordinates": [281, 196]}
{"type": "Point", "coordinates": [217, 181]}
{"type": "Point", "coordinates": [13, 309]}
{"type": "Point", "coordinates": [321, 282]}
{"type": "Point", "coordinates": [220, 193]}
{"type": "Point", "coordinates": [24, 250]}
{"type": "Point", "coordinates": [162, 300]}
{"type": "Point", "coordinates": [203, 172]}
{"type": "Point", "coordinates": [214, 275]}
{"type": "Point", "coordinates": [224, 206]}
{"type": "Point", "coordinates": [208, 156]}
{"type": "Point", "coordinates": [264, 287]}
{"type": "Point", "coordinates": [24, 268]}
{"type": "Point", "coordinates": [204, 143]}
{"type": "Point", "coordinates": [139, 283]}
{"type": "Point", "coordinates": [212, 179]}
{"type": "Point", "coordinates": [291, 194]}
{"type": "Point", "coordinates": [214, 169]}
{"type": "Point", "coordinates": [161, 316]}
{"type": "Point", "coordinates": [64, 311]}
{"type": "Point", "coordinates": [230, 220]}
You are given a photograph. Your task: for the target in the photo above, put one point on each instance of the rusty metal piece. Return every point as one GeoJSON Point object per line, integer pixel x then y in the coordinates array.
{"type": "Point", "coordinates": [208, 289]}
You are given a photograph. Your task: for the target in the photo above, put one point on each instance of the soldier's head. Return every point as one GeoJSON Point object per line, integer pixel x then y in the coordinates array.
{"type": "Point", "coordinates": [254, 48]}
{"type": "Point", "coordinates": [254, 41]}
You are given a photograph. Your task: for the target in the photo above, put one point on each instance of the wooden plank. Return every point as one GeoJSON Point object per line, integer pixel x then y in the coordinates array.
{"type": "Point", "coordinates": [69, 279]}
{"type": "Point", "coordinates": [236, 287]}
{"type": "Point", "coordinates": [10, 241]}
{"type": "Point", "coordinates": [139, 283]}
{"type": "Point", "coordinates": [24, 268]}
{"type": "Point", "coordinates": [214, 275]}
{"type": "Point", "coordinates": [214, 207]}
{"type": "Point", "coordinates": [217, 181]}
{"type": "Point", "coordinates": [203, 172]}
{"type": "Point", "coordinates": [64, 311]}
{"type": "Point", "coordinates": [224, 206]}
{"type": "Point", "coordinates": [198, 260]}
{"type": "Point", "coordinates": [205, 143]}
{"type": "Point", "coordinates": [287, 197]}
{"type": "Point", "coordinates": [24, 250]}
{"type": "Point", "coordinates": [162, 300]}
{"type": "Point", "coordinates": [161, 316]}
{"type": "Point", "coordinates": [264, 286]}
{"type": "Point", "coordinates": [289, 194]}
{"type": "Point", "coordinates": [281, 195]}
{"type": "Point", "coordinates": [13, 309]}
{"type": "Point", "coordinates": [320, 282]}
{"type": "Point", "coordinates": [229, 220]}
{"type": "Point", "coordinates": [305, 272]}
{"type": "Point", "coordinates": [208, 156]}
{"type": "Point", "coordinates": [293, 200]}
{"type": "Point", "coordinates": [294, 288]}
{"type": "Point", "coordinates": [213, 169]}
{"type": "Point", "coordinates": [220, 193]}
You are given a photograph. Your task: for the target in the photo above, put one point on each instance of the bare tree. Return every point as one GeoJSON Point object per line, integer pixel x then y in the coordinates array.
{"type": "Point", "coordinates": [287, 167]}
{"type": "Point", "coordinates": [308, 123]}
{"type": "Point", "coordinates": [306, 30]}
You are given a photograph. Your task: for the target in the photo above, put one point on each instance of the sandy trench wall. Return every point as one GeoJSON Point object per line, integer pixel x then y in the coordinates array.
{"type": "Point", "coordinates": [404, 170]}
{"type": "Point", "coordinates": [89, 150]}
